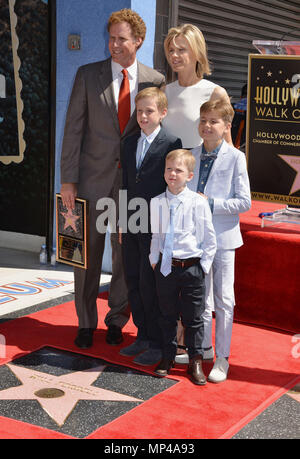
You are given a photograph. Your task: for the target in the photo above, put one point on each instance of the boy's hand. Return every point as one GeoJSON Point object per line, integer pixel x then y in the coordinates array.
{"type": "Point", "coordinates": [153, 266]}
{"type": "Point", "coordinates": [120, 236]}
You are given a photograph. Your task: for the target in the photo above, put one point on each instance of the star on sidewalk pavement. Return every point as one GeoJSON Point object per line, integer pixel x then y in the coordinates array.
{"type": "Point", "coordinates": [295, 392]}
{"type": "Point", "coordinates": [70, 219]}
{"type": "Point", "coordinates": [58, 395]}
{"type": "Point", "coordinates": [294, 162]}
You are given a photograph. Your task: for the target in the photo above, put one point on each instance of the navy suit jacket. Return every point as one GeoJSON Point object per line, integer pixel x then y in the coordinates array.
{"type": "Point", "coordinates": [148, 181]}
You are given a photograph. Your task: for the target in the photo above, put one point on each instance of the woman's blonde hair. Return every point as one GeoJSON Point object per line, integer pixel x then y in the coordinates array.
{"type": "Point", "coordinates": [196, 40]}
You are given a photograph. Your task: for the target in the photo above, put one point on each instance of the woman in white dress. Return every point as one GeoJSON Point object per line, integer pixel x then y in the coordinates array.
{"type": "Point", "coordinates": [186, 53]}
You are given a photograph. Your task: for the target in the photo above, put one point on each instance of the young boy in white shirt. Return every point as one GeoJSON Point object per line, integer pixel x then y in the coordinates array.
{"type": "Point", "coordinates": [182, 249]}
{"type": "Point", "coordinates": [221, 177]}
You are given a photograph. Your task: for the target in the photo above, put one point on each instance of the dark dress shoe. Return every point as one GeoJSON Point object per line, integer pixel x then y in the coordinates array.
{"type": "Point", "coordinates": [196, 372]}
{"type": "Point", "coordinates": [114, 335]}
{"type": "Point", "coordinates": [164, 367]}
{"type": "Point", "coordinates": [84, 338]}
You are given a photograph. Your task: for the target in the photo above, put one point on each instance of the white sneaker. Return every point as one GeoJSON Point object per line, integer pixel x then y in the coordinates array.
{"type": "Point", "coordinates": [219, 371]}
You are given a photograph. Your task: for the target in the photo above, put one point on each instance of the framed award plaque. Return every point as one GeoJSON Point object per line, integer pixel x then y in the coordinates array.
{"type": "Point", "coordinates": [72, 233]}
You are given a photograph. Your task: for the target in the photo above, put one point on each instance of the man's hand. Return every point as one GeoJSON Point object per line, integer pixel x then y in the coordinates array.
{"type": "Point", "coordinates": [202, 194]}
{"type": "Point", "coordinates": [68, 193]}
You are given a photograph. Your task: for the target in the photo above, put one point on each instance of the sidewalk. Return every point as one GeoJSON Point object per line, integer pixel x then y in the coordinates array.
{"type": "Point", "coordinates": [26, 287]}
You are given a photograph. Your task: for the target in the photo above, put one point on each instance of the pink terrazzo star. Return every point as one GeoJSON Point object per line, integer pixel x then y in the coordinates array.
{"type": "Point", "coordinates": [70, 219]}
{"type": "Point", "coordinates": [71, 387]}
{"type": "Point", "coordinates": [295, 393]}
{"type": "Point", "coordinates": [294, 162]}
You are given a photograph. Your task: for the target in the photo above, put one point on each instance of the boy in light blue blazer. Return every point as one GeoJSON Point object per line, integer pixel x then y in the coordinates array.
{"type": "Point", "coordinates": [221, 176]}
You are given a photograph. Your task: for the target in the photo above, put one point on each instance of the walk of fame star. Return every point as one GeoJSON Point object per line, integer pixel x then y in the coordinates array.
{"type": "Point", "coordinates": [70, 219]}
{"type": "Point", "coordinates": [294, 162]}
{"type": "Point", "coordinates": [65, 391]}
{"type": "Point", "coordinates": [295, 393]}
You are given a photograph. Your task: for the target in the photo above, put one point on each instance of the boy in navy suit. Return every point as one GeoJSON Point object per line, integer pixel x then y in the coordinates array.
{"type": "Point", "coordinates": [143, 163]}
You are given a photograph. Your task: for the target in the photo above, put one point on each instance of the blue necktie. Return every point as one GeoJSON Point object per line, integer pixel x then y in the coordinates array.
{"type": "Point", "coordinates": [141, 152]}
{"type": "Point", "coordinates": [166, 262]}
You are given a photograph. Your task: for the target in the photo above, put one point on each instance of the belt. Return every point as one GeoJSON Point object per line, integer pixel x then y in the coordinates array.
{"type": "Point", "coordinates": [184, 263]}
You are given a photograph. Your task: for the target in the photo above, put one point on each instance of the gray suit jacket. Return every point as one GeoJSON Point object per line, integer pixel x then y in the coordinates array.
{"type": "Point", "coordinates": [92, 139]}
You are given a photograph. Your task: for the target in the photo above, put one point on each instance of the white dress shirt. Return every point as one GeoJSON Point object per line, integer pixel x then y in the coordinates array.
{"type": "Point", "coordinates": [194, 234]}
{"type": "Point", "coordinates": [117, 76]}
{"type": "Point", "coordinates": [149, 139]}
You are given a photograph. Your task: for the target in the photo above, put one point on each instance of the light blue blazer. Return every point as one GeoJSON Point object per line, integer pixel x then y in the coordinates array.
{"type": "Point", "coordinates": [228, 184]}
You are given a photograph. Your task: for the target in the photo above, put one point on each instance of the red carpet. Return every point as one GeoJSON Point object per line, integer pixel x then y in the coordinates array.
{"type": "Point", "coordinates": [267, 274]}
{"type": "Point", "coordinates": [262, 369]}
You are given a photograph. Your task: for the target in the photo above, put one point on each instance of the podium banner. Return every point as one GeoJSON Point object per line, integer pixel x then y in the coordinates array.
{"type": "Point", "coordinates": [273, 128]}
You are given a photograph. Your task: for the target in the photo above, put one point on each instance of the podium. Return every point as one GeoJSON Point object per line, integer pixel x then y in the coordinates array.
{"type": "Point", "coordinates": [275, 115]}
{"type": "Point", "coordinates": [277, 47]}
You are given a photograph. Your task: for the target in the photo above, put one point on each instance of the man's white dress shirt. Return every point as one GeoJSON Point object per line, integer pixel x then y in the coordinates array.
{"type": "Point", "coordinates": [117, 76]}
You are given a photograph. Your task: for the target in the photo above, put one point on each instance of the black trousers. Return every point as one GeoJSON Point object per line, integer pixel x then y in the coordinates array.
{"type": "Point", "coordinates": [181, 294]}
{"type": "Point", "coordinates": [141, 287]}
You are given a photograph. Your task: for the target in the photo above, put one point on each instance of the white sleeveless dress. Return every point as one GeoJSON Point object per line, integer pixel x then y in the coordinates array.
{"type": "Point", "coordinates": [184, 105]}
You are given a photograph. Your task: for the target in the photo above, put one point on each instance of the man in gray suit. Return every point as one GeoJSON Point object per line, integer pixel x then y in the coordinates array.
{"type": "Point", "coordinates": [90, 163]}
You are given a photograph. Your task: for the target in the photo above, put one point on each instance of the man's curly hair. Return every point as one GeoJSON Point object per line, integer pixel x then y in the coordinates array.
{"type": "Point", "coordinates": [136, 23]}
